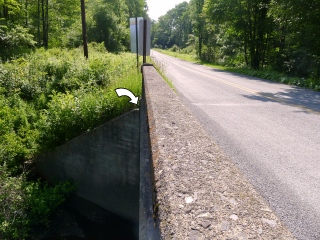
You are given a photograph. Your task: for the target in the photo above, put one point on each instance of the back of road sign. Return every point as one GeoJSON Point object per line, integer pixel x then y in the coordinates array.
{"type": "Point", "coordinates": [134, 37]}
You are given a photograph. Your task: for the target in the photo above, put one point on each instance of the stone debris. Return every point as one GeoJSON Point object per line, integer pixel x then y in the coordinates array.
{"type": "Point", "coordinates": [205, 224]}
{"type": "Point", "coordinates": [195, 235]}
{"type": "Point", "coordinates": [188, 199]}
{"type": "Point", "coordinates": [266, 210]}
{"type": "Point", "coordinates": [234, 217]}
{"type": "Point", "coordinates": [271, 223]}
{"type": "Point", "coordinates": [188, 210]}
{"type": "Point", "coordinates": [204, 215]}
{"type": "Point", "coordinates": [225, 226]}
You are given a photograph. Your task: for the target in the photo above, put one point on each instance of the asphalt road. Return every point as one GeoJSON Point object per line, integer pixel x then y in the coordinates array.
{"type": "Point", "coordinates": [270, 130]}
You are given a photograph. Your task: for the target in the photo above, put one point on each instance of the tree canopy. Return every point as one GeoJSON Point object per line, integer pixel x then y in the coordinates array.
{"type": "Point", "coordinates": [57, 23]}
{"type": "Point", "coordinates": [282, 35]}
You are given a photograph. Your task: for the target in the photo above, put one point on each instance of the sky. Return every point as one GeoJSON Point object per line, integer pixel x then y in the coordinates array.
{"type": "Point", "coordinates": [159, 8]}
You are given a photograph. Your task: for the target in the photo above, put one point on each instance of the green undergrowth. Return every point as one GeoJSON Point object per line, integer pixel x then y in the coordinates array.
{"type": "Point", "coordinates": [47, 98]}
{"type": "Point", "coordinates": [184, 56]}
{"type": "Point", "coordinates": [264, 74]}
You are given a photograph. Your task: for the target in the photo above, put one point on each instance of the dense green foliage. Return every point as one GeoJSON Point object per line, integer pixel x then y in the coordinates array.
{"type": "Point", "coordinates": [108, 21]}
{"type": "Point", "coordinates": [276, 35]}
{"type": "Point", "coordinates": [57, 23]}
{"type": "Point", "coordinates": [25, 204]}
{"type": "Point", "coordinates": [49, 93]}
{"type": "Point", "coordinates": [47, 98]}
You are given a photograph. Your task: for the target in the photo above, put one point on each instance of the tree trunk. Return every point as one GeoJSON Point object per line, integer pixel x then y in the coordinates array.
{"type": "Point", "coordinates": [84, 29]}
{"type": "Point", "coordinates": [47, 24]}
{"type": "Point", "coordinates": [5, 12]}
{"type": "Point", "coordinates": [282, 40]}
{"type": "Point", "coordinates": [246, 51]}
{"type": "Point", "coordinates": [43, 24]}
{"type": "Point", "coordinates": [200, 45]}
{"type": "Point", "coordinates": [39, 22]}
{"type": "Point", "coordinates": [45, 13]}
{"type": "Point", "coordinates": [26, 13]}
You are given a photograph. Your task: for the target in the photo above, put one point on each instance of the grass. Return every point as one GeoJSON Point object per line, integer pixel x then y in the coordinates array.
{"type": "Point", "coordinates": [264, 74]}
{"type": "Point", "coordinates": [187, 57]}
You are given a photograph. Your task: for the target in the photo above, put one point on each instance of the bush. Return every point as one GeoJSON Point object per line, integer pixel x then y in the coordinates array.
{"type": "Point", "coordinates": [191, 49]}
{"type": "Point", "coordinates": [26, 204]}
{"type": "Point", "coordinates": [14, 41]}
{"type": "Point", "coordinates": [46, 99]}
{"type": "Point", "coordinates": [174, 48]}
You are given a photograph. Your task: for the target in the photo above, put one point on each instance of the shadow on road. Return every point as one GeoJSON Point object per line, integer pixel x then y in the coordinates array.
{"type": "Point", "coordinates": [303, 98]}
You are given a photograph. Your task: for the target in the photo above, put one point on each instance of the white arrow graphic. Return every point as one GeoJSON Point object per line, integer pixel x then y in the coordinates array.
{"type": "Point", "coordinates": [126, 92]}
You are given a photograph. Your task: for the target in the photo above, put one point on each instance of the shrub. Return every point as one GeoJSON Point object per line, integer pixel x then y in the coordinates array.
{"type": "Point", "coordinates": [26, 204]}
{"type": "Point", "coordinates": [14, 41]}
{"type": "Point", "coordinates": [47, 98]}
{"type": "Point", "coordinates": [174, 48]}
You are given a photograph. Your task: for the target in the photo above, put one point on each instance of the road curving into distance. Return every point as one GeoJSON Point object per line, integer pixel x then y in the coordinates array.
{"type": "Point", "coordinates": [270, 130]}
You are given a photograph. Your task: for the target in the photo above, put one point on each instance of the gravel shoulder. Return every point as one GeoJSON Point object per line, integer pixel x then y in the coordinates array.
{"type": "Point", "coordinates": [200, 193]}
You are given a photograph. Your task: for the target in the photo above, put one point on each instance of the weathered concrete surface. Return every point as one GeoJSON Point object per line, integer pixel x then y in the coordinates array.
{"type": "Point", "coordinates": [200, 192]}
{"type": "Point", "coordinates": [104, 164]}
{"type": "Point", "coordinates": [148, 228]}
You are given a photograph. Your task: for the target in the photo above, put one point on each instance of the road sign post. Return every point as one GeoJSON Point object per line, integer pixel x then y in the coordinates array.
{"type": "Point", "coordinates": [144, 41]}
{"type": "Point", "coordinates": [137, 43]}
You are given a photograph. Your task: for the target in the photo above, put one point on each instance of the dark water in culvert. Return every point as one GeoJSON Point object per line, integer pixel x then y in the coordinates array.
{"type": "Point", "coordinates": [81, 219]}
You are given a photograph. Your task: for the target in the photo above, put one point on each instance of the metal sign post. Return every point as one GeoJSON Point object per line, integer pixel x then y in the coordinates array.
{"type": "Point", "coordinates": [144, 41]}
{"type": "Point", "coordinates": [137, 43]}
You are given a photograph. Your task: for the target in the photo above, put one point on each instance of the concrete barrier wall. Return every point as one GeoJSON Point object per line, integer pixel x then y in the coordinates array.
{"type": "Point", "coordinates": [148, 224]}
{"type": "Point", "coordinates": [104, 163]}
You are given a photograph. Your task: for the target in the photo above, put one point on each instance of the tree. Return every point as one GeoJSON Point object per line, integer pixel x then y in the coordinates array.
{"type": "Point", "coordinates": [249, 20]}
{"type": "Point", "coordinates": [137, 8]}
{"type": "Point", "coordinates": [84, 29]}
{"type": "Point", "coordinates": [198, 22]}
{"type": "Point", "coordinates": [14, 37]}
{"type": "Point", "coordinates": [108, 24]}
{"type": "Point", "coordinates": [283, 35]}
{"type": "Point", "coordinates": [45, 22]}
{"type": "Point", "coordinates": [296, 37]}
{"type": "Point", "coordinates": [173, 28]}
{"type": "Point", "coordinates": [54, 23]}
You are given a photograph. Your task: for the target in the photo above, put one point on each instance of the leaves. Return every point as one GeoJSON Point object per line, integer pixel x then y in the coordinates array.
{"type": "Point", "coordinates": [57, 23]}
{"type": "Point", "coordinates": [261, 34]}
{"type": "Point", "coordinates": [25, 204]}
{"type": "Point", "coordinates": [173, 28]}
